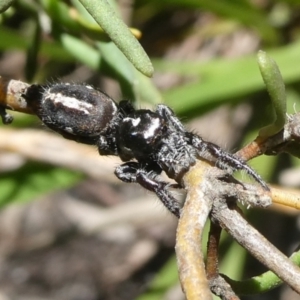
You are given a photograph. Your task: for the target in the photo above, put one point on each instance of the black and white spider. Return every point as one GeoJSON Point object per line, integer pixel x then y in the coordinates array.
{"type": "Point", "coordinates": [149, 142]}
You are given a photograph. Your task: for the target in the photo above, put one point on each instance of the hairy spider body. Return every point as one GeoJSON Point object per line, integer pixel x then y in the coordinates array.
{"type": "Point", "coordinates": [149, 142]}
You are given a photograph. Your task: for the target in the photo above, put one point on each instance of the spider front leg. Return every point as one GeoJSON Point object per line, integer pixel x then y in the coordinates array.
{"type": "Point", "coordinates": [134, 172]}
{"type": "Point", "coordinates": [167, 114]}
{"type": "Point", "coordinates": [223, 159]}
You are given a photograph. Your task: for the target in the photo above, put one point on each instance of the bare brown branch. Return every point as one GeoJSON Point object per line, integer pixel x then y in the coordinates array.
{"type": "Point", "coordinates": [217, 284]}
{"type": "Point", "coordinates": [231, 220]}
{"type": "Point", "coordinates": [212, 261]}
{"type": "Point", "coordinates": [287, 140]}
{"type": "Point", "coordinates": [11, 92]}
{"type": "Point", "coordinates": [189, 235]}
{"type": "Point", "coordinates": [221, 288]}
{"type": "Point", "coordinates": [285, 196]}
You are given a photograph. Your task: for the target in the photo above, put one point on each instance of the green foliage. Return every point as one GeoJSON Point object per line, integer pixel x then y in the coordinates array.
{"type": "Point", "coordinates": [167, 276]}
{"type": "Point", "coordinates": [5, 4]}
{"type": "Point", "coordinates": [106, 17]}
{"type": "Point", "coordinates": [275, 86]}
{"type": "Point", "coordinates": [224, 81]}
{"type": "Point", "coordinates": [33, 180]}
{"type": "Point", "coordinates": [262, 283]}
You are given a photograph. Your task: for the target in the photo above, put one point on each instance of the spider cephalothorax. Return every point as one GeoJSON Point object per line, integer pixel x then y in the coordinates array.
{"type": "Point", "coordinates": [149, 142]}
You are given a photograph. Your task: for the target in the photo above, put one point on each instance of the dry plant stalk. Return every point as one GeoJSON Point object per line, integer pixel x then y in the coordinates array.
{"type": "Point", "coordinates": [206, 189]}
{"type": "Point", "coordinates": [11, 92]}
{"type": "Point", "coordinates": [286, 140]}
{"type": "Point", "coordinates": [189, 235]}
{"type": "Point", "coordinates": [232, 221]}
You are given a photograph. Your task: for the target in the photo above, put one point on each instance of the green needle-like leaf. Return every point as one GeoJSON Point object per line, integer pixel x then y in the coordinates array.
{"type": "Point", "coordinates": [5, 4]}
{"type": "Point", "coordinates": [262, 283]}
{"type": "Point", "coordinates": [119, 33]}
{"type": "Point", "coordinates": [275, 86]}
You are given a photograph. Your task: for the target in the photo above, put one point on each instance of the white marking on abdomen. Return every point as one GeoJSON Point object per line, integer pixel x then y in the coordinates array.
{"type": "Point", "coordinates": [70, 102]}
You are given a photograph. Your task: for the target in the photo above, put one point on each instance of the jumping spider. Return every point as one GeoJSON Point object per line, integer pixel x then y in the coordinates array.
{"type": "Point", "coordinates": [149, 142]}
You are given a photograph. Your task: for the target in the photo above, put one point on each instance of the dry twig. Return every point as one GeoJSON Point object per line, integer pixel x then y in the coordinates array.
{"type": "Point", "coordinates": [287, 140]}
{"type": "Point", "coordinates": [189, 235]}
{"type": "Point", "coordinates": [48, 147]}
{"type": "Point", "coordinates": [232, 221]}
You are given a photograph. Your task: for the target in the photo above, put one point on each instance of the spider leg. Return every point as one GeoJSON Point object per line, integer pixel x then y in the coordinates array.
{"type": "Point", "coordinates": [126, 107]}
{"type": "Point", "coordinates": [6, 117]}
{"type": "Point", "coordinates": [223, 159]}
{"type": "Point", "coordinates": [106, 145]}
{"type": "Point", "coordinates": [133, 172]}
{"type": "Point", "coordinates": [168, 115]}
{"type": "Point", "coordinates": [160, 189]}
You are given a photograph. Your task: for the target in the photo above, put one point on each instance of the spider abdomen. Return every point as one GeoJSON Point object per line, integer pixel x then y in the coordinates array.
{"type": "Point", "coordinates": [72, 110]}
